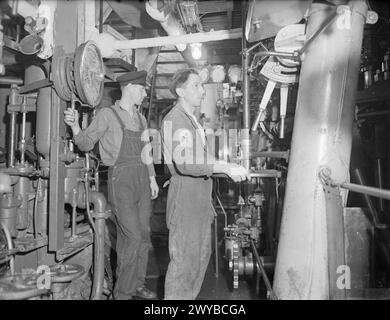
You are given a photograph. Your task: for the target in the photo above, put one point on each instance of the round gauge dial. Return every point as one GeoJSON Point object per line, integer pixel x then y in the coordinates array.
{"type": "Point", "coordinates": [89, 73]}
{"type": "Point", "coordinates": [204, 75]}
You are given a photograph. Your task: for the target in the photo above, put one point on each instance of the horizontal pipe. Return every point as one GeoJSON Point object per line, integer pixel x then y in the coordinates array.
{"type": "Point", "coordinates": [375, 192]}
{"type": "Point", "coordinates": [181, 39]}
{"type": "Point", "coordinates": [278, 54]}
{"type": "Point", "coordinates": [99, 205]}
{"type": "Point", "coordinates": [271, 154]}
{"type": "Point", "coordinates": [372, 114]}
{"type": "Point", "coordinates": [11, 80]}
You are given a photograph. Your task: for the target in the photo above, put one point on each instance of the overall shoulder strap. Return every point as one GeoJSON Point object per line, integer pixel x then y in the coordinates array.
{"type": "Point", "coordinates": [118, 117]}
{"type": "Point", "coordinates": [140, 121]}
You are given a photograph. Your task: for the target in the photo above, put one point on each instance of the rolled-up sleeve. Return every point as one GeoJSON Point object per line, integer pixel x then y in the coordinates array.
{"type": "Point", "coordinates": [86, 139]}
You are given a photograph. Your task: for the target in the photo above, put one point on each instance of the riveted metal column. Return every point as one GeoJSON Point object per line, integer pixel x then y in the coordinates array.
{"type": "Point", "coordinates": [322, 136]}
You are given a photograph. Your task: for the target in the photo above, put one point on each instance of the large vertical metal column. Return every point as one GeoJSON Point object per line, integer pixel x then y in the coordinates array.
{"type": "Point", "coordinates": [322, 136]}
{"type": "Point", "coordinates": [65, 38]}
{"type": "Point", "coordinates": [245, 140]}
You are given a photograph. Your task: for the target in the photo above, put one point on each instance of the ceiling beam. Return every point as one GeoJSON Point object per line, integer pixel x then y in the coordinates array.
{"type": "Point", "coordinates": [109, 45]}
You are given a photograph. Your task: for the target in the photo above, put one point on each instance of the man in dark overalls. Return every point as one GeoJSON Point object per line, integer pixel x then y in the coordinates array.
{"type": "Point", "coordinates": [131, 182]}
{"type": "Point", "coordinates": [189, 208]}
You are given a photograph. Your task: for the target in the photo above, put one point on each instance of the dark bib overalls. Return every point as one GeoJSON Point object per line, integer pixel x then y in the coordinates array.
{"type": "Point", "coordinates": [130, 197]}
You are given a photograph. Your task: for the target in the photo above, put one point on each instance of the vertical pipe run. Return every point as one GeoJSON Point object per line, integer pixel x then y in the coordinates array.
{"type": "Point", "coordinates": [23, 136]}
{"type": "Point", "coordinates": [216, 245]}
{"type": "Point", "coordinates": [12, 134]}
{"type": "Point", "coordinates": [325, 108]}
{"type": "Point", "coordinates": [12, 138]}
{"type": "Point", "coordinates": [245, 141]}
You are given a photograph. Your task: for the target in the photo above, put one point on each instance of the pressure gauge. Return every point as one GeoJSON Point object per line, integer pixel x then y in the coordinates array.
{"type": "Point", "coordinates": [204, 74]}
{"type": "Point", "coordinates": [218, 74]}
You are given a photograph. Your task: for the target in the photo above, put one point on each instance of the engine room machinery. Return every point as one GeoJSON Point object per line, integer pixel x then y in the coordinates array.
{"type": "Point", "coordinates": [45, 220]}
{"type": "Point", "coordinates": [288, 228]}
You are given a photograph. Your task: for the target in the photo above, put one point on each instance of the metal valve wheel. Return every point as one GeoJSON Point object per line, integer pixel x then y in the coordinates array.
{"type": "Point", "coordinates": [65, 272]}
{"type": "Point", "coordinates": [20, 287]}
{"type": "Point", "coordinates": [80, 75]}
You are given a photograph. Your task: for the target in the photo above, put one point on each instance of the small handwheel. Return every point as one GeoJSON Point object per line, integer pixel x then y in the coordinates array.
{"type": "Point", "coordinates": [65, 272]}
{"type": "Point", "coordinates": [20, 287]}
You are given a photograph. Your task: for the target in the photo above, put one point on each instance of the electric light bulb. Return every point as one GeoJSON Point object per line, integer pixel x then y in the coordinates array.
{"type": "Point", "coordinates": [196, 50]}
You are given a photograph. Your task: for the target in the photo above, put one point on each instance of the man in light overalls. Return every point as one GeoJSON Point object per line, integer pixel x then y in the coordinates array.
{"type": "Point", "coordinates": [131, 183]}
{"type": "Point", "coordinates": [189, 208]}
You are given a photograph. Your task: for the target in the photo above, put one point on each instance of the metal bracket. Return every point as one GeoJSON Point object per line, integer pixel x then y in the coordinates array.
{"type": "Point", "coordinates": [335, 239]}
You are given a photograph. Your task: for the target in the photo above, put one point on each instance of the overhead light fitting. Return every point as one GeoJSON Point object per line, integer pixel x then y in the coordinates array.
{"type": "Point", "coordinates": [196, 50]}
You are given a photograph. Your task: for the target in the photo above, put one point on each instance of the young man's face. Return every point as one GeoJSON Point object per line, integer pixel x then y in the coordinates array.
{"type": "Point", "coordinates": [137, 93]}
{"type": "Point", "coordinates": [192, 91]}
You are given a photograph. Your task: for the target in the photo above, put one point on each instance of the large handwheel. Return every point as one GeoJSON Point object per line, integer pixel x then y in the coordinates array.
{"type": "Point", "coordinates": [80, 75]}
{"type": "Point", "coordinates": [89, 73]}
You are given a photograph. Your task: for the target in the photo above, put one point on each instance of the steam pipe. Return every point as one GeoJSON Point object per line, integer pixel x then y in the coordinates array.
{"type": "Point", "coordinates": [372, 191]}
{"type": "Point", "coordinates": [12, 134]}
{"type": "Point", "coordinates": [108, 44]}
{"type": "Point", "coordinates": [99, 203]}
{"type": "Point", "coordinates": [12, 138]}
{"type": "Point", "coordinates": [291, 56]}
{"type": "Point", "coordinates": [326, 99]}
{"type": "Point", "coordinates": [10, 81]}
{"type": "Point", "coordinates": [23, 135]}
{"type": "Point", "coordinates": [216, 245]}
{"type": "Point", "coordinates": [245, 140]}
{"type": "Point", "coordinates": [271, 154]}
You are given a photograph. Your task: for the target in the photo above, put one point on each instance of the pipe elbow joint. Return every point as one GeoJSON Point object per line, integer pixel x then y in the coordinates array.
{"type": "Point", "coordinates": [99, 201]}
